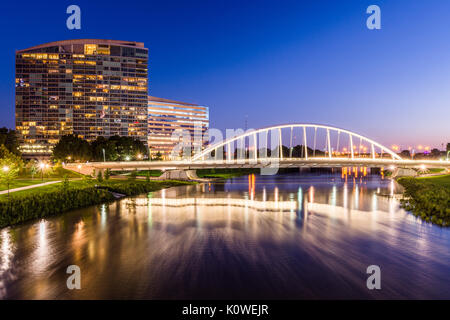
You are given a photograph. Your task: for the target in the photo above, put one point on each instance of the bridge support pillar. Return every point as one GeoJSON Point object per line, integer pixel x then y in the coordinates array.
{"type": "Point", "coordinates": [404, 172]}
{"type": "Point", "coordinates": [179, 175]}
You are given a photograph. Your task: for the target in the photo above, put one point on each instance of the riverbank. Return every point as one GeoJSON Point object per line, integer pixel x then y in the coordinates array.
{"type": "Point", "coordinates": [225, 173]}
{"type": "Point", "coordinates": [57, 198]}
{"type": "Point", "coordinates": [428, 198]}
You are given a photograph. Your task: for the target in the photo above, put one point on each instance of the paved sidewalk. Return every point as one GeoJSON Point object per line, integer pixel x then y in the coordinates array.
{"type": "Point", "coordinates": [29, 187]}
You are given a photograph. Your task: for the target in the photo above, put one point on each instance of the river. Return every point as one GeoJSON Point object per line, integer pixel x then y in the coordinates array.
{"type": "Point", "coordinates": [291, 236]}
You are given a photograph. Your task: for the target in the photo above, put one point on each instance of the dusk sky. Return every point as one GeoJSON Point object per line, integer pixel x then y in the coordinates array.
{"type": "Point", "coordinates": [272, 61]}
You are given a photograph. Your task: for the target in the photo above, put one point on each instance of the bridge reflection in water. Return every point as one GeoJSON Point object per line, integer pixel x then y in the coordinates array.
{"type": "Point", "coordinates": [299, 204]}
{"type": "Point", "coordinates": [287, 236]}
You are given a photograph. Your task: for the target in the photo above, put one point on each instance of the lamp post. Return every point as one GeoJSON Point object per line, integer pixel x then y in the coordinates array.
{"type": "Point", "coordinates": [42, 166]}
{"type": "Point", "coordinates": [104, 157]}
{"type": "Point", "coordinates": [6, 169]}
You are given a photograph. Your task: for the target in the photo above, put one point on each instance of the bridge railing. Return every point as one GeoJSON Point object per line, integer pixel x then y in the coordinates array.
{"type": "Point", "coordinates": [304, 141]}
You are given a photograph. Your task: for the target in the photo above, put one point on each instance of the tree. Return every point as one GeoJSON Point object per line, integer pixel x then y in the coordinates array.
{"type": "Point", "coordinates": [107, 174]}
{"type": "Point", "coordinates": [73, 146]}
{"type": "Point", "coordinates": [99, 176]}
{"type": "Point", "coordinates": [127, 147]}
{"type": "Point", "coordinates": [65, 184]}
{"type": "Point", "coordinates": [101, 143]}
{"type": "Point", "coordinates": [10, 165]}
{"type": "Point", "coordinates": [435, 153]}
{"type": "Point", "coordinates": [405, 154]}
{"type": "Point", "coordinates": [8, 173]}
{"type": "Point", "coordinates": [33, 167]}
{"type": "Point", "coordinates": [448, 146]}
{"type": "Point", "coordinates": [8, 138]}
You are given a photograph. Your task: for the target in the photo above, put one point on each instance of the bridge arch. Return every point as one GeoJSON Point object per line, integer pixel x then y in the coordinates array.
{"type": "Point", "coordinates": [303, 126]}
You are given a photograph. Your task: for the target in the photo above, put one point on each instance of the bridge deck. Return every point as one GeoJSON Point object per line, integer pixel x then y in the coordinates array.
{"type": "Point", "coordinates": [87, 168]}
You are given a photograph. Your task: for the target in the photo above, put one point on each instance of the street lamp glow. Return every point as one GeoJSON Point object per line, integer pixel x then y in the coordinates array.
{"type": "Point", "coordinates": [6, 168]}
{"type": "Point", "coordinates": [42, 165]}
{"type": "Point", "coordinates": [127, 158]}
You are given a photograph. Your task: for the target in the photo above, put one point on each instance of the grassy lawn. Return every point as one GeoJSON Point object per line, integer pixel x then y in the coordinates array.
{"type": "Point", "coordinates": [435, 170]}
{"type": "Point", "coordinates": [25, 182]}
{"type": "Point", "coordinates": [51, 187]}
{"type": "Point", "coordinates": [443, 180]}
{"type": "Point", "coordinates": [112, 183]}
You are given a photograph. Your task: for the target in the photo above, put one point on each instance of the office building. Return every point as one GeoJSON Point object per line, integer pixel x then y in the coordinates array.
{"type": "Point", "coordinates": [86, 87]}
{"type": "Point", "coordinates": [166, 118]}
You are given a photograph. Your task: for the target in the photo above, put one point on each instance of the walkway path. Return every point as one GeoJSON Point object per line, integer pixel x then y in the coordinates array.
{"type": "Point", "coordinates": [29, 187]}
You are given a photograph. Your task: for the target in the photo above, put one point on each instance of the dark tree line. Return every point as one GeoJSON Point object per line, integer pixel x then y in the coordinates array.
{"type": "Point", "coordinates": [8, 138]}
{"type": "Point", "coordinates": [72, 148]}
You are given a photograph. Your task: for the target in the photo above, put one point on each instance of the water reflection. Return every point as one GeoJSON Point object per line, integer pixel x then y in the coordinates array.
{"type": "Point", "coordinates": [287, 236]}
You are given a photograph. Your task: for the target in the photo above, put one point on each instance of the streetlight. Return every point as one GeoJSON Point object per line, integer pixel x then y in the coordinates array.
{"type": "Point", "coordinates": [6, 169]}
{"type": "Point", "coordinates": [42, 166]}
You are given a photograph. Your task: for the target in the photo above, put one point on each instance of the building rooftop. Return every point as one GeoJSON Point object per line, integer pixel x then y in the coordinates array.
{"type": "Point", "coordinates": [156, 99]}
{"type": "Point", "coordinates": [86, 41]}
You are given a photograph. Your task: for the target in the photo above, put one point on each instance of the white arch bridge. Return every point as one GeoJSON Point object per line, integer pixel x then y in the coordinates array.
{"type": "Point", "coordinates": [282, 146]}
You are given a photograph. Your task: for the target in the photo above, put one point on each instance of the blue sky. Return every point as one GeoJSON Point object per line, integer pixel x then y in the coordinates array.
{"type": "Point", "coordinates": [270, 61]}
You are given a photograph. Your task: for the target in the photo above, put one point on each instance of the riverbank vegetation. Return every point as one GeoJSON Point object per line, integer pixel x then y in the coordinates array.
{"type": "Point", "coordinates": [428, 198]}
{"type": "Point", "coordinates": [68, 195]}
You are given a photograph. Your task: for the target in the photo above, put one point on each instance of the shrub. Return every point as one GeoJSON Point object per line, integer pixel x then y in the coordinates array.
{"type": "Point", "coordinates": [107, 174]}
{"type": "Point", "coordinates": [99, 176]}
{"type": "Point", "coordinates": [38, 205]}
{"type": "Point", "coordinates": [65, 184]}
{"type": "Point", "coordinates": [133, 175]}
{"type": "Point", "coordinates": [429, 201]}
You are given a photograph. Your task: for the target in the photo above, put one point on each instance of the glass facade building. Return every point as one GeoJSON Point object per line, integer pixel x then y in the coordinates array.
{"type": "Point", "coordinates": [165, 117]}
{"type": "Point", "coordinates": [86, 87]}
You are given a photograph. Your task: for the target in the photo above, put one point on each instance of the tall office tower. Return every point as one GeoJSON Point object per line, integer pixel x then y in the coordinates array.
{"type": "Point", "coordinates": [165, 117]}
{"type": "Point", "coordinates": [86, 87]}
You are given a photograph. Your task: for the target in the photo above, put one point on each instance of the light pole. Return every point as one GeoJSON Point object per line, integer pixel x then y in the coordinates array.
{"type": "Point", "coordinates": [104, 158]}
{"type": "Point", "coordinates": [42, 166]}
{"type": "Point", "coordinates": [6, 169]}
